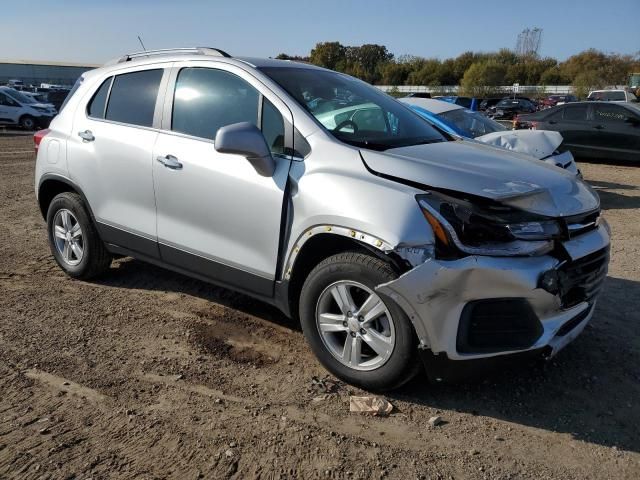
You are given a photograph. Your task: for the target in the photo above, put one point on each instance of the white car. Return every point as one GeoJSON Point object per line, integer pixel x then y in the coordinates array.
{"type": "Point", "coordinates": [460, 121]}
{"type": "Point", "coordinates": [612, 96]}
{"type": "Point", "coordinates": [16, 108]}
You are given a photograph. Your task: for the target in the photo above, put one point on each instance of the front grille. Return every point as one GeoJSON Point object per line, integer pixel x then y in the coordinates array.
{"type": "Point", "coordinates": [582, 279]}
{"type": "Point", "coordinates": [497, 324]}
{"type": "Point", "coordinates": [578, 224]}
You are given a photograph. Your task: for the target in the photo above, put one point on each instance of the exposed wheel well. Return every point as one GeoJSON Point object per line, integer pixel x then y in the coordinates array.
{"type": "Point", "coordinates": [315, 250]}
{"type": "Point", "coordinates": [48, 190]}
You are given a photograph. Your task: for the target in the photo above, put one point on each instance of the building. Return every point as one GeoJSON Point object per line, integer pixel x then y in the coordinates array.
{"type": "Point", "coordinates": [35, 72]}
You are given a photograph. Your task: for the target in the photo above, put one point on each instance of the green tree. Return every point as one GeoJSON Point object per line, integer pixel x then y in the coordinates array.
{"type": "Point", "coordinates": [330, 55]}
{"type": "Point", "coordinates": [482, 78]}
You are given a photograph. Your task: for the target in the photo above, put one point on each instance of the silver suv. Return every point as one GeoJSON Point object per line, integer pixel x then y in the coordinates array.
{"type": "Point", "coordinates": [317, 193]}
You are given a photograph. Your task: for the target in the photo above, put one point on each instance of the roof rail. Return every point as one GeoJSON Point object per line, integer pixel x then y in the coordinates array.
{"type": "Point", "coordinates": [216, 52]}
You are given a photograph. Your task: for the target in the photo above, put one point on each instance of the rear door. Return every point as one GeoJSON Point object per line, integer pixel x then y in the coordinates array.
{"type": "Point", "coordinates": [217, 217]}
{"type": "Point", "coordinates": [618, 134]}
{"type": "Point", "coordinates": [576, 128]}
{"type": "Point", "coordinates": [110, 157]}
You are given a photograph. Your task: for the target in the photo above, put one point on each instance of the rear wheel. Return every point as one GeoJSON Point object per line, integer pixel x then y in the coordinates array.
{"type": "Point", "coordinates": [73, 238]}
{"type": "Point", "coordinates": [358, 334]}
{"type": "Point", "coordinates": [28, 122]}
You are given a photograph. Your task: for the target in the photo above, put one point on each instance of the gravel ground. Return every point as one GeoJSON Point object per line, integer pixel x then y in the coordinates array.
{"type": "Point", "coordinates": [148, 374]}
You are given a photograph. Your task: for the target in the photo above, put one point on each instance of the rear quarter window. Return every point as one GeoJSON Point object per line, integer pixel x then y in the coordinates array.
{"type": "Point", "coordinates": [96, 106]}
{"type": "Point", "coordinates": [133, 97]}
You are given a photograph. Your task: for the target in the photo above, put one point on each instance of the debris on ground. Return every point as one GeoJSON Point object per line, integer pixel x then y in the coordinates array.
{"type": "Point", "coordinates": [323, 385]}
{"type": "Point", "coordinates": [435, 421]}
{"type": "Point", "coordinates": [376, 406]}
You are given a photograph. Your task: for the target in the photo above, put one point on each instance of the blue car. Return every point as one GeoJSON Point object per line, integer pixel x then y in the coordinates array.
{"type": "Point", "coordinates": [456, 120]}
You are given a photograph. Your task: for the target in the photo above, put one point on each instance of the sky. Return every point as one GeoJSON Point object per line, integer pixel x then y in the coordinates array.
{"type": "Point", "coordinates": [91, 31]}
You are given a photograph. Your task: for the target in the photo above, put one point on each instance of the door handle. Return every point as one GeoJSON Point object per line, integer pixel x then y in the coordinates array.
{"type": "Point", "coordinates": [599, 127]}
{"type": "Point", "coordinates": [86, 136]}
{"type": "Point", "coordinates": [170, 161]}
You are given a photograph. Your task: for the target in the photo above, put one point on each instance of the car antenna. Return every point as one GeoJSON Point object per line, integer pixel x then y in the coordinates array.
{"type": "Point", "coordinates": [140, 40]}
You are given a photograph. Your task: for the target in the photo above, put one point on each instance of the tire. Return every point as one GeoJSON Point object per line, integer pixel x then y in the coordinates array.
{"type": "Point", "coordinates": [320, 314]}
{"type": "Point", "coordinates": [28, 122]}
{"type": "Point", "coordinates": [81, 255]}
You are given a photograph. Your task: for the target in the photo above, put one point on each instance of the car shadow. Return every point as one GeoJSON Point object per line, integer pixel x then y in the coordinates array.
{"type": "Point", "coordinates": [590, 390]}
{"type": "Point", "coordinates": [611, 199]}
{"type": "Point", "coordinates": [134, 274]}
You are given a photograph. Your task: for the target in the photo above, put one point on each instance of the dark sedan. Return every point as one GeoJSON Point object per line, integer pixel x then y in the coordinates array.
{"type": "Point", "coordinates": [508, 108]}
{"type": "Point", "coordinates": [599, 130]}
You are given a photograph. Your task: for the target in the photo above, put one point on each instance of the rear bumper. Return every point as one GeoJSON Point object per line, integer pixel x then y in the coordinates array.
{"type": "Point", "coordinates": [434, 296]}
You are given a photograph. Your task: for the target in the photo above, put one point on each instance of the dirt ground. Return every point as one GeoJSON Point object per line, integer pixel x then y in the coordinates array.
{"type": "Point", "coordinates": [147, 374]}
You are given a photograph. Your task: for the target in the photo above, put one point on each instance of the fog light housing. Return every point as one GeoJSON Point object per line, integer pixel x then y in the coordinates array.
{"type": "Point", "coordinates": [550, 281]}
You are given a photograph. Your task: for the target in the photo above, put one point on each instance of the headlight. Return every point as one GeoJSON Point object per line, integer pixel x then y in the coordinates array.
{"type": "Point", "coordinates": [486, 229]}
{"type": "Point", "coordinates": [41, 109]}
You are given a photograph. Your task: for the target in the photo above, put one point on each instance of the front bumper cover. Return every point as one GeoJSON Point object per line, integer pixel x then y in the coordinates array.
{"type": "Point", "coordinates": [434, 294]}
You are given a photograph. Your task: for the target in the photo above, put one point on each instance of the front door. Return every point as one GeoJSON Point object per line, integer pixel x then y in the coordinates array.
{"type": "Point", "coordinates": [217, 217]}
{"type": "Point", "coordinates": [9, 109]}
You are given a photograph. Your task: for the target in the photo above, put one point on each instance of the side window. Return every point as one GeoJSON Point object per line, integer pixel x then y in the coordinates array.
{"type": "Point", "coordinates": [133, 97]}
{"type": "Point", "coordinates": [7, 101]}
{"type": "Point", "coordinates": [575, 113]}
{"type": "Point", "coordinates": [207, 99]}
{"type": "Point", "coordinates": [96, 106]}
{"type": "Point", "coordinates": [610, 114]}
{"type": "Point", "coordinates": [272, 127]}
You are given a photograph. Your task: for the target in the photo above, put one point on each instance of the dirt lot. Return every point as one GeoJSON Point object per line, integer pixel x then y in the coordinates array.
{"type": "Point", "coordinates": [148, 374]}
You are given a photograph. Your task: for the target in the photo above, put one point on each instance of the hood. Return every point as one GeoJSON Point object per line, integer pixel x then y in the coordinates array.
{"type": "Point", "coordinates": [537, 143]}
{"type": "Point", "coordinates": [485, 171]}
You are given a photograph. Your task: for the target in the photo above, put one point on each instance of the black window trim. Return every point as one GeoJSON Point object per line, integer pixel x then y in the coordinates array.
{"type": "Point", "coordinates": [155, 126]}
{"type": "Point", "coordinates": [167, 108]}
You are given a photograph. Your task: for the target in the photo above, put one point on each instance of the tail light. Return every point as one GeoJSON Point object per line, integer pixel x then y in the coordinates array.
{"type": "Point", "coordinates": [38, 136]}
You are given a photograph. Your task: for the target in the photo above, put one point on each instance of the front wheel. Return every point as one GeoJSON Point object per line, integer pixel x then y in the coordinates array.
{"type": "Point", "coordinates": [358, 334]}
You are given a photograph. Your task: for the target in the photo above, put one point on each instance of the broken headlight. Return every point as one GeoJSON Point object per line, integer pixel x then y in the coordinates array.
{"type": "Point", "coordinates": [488, 229]}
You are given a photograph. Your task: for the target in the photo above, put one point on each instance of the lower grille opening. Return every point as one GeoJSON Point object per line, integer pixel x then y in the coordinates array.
{"type": "Point", "coordinates": [574, 322]}
{"type": "Point", "coordinates": [496, 325]}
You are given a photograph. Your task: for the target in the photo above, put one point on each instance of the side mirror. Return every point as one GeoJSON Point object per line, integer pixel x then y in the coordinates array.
{"type": "Point", "coordinates": [245, 139]}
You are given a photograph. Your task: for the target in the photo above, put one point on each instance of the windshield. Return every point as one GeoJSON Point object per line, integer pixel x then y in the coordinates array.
{"type": "Point", "coordinates": [353, 111]}
{"type": "Point", "coordinates": [508, 103]}
{"type": "Point", "coordinates": [21, 97]}
{"type": "Point", "coordinates": [473, 124]}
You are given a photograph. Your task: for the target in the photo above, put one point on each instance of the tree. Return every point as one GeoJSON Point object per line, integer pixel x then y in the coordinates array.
{"type": "Point", "coordinates": [482, 78]}
{"type": "Point", "coordinates": [329, 55]}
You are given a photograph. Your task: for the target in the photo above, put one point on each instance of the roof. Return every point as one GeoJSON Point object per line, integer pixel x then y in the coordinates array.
{"type": "Point", "coordinates": [430, 104]}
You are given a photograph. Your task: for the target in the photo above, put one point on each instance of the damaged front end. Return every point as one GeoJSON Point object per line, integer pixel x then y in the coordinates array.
{"type": "Point", "coordinates": [499, 281]}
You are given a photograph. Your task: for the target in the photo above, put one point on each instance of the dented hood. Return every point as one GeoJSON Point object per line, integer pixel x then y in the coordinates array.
{"type": "Point", "coordinates": [537, 143]}
{"type": "Point", "coordinates": [485, 171]}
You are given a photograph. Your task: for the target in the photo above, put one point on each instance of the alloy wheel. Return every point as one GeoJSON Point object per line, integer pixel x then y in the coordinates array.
{"type": "Point", "coordinates": [355, 325]}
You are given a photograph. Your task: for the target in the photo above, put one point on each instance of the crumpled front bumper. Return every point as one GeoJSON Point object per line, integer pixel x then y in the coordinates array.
{"type": "Point", "coordinates": [434, 294]}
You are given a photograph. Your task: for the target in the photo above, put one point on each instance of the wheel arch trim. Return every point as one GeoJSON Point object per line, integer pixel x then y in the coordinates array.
{"type": "Point", "coordinates": [53, 177]}
{"type": "Point", "coordinates": [357, 236]}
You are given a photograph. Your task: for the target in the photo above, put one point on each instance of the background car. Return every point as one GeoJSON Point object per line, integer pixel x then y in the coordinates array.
{"type": "Point", "coordinates": [457, 120]}
{"type": "Point", "coordinates": [612, 96]}
{"type": "Point", "coordinates": [553, 100]}
{"type": "Point", "coordinates": [507, 108]}
{"type": "Point", "coordinates": [487, 103]}
{"type": "Point", "coordinates": [462, 101]}
{"type": "Point", "coordinates": [18, 109]}
{"type": "Point", "coordinates": [600, 130]}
